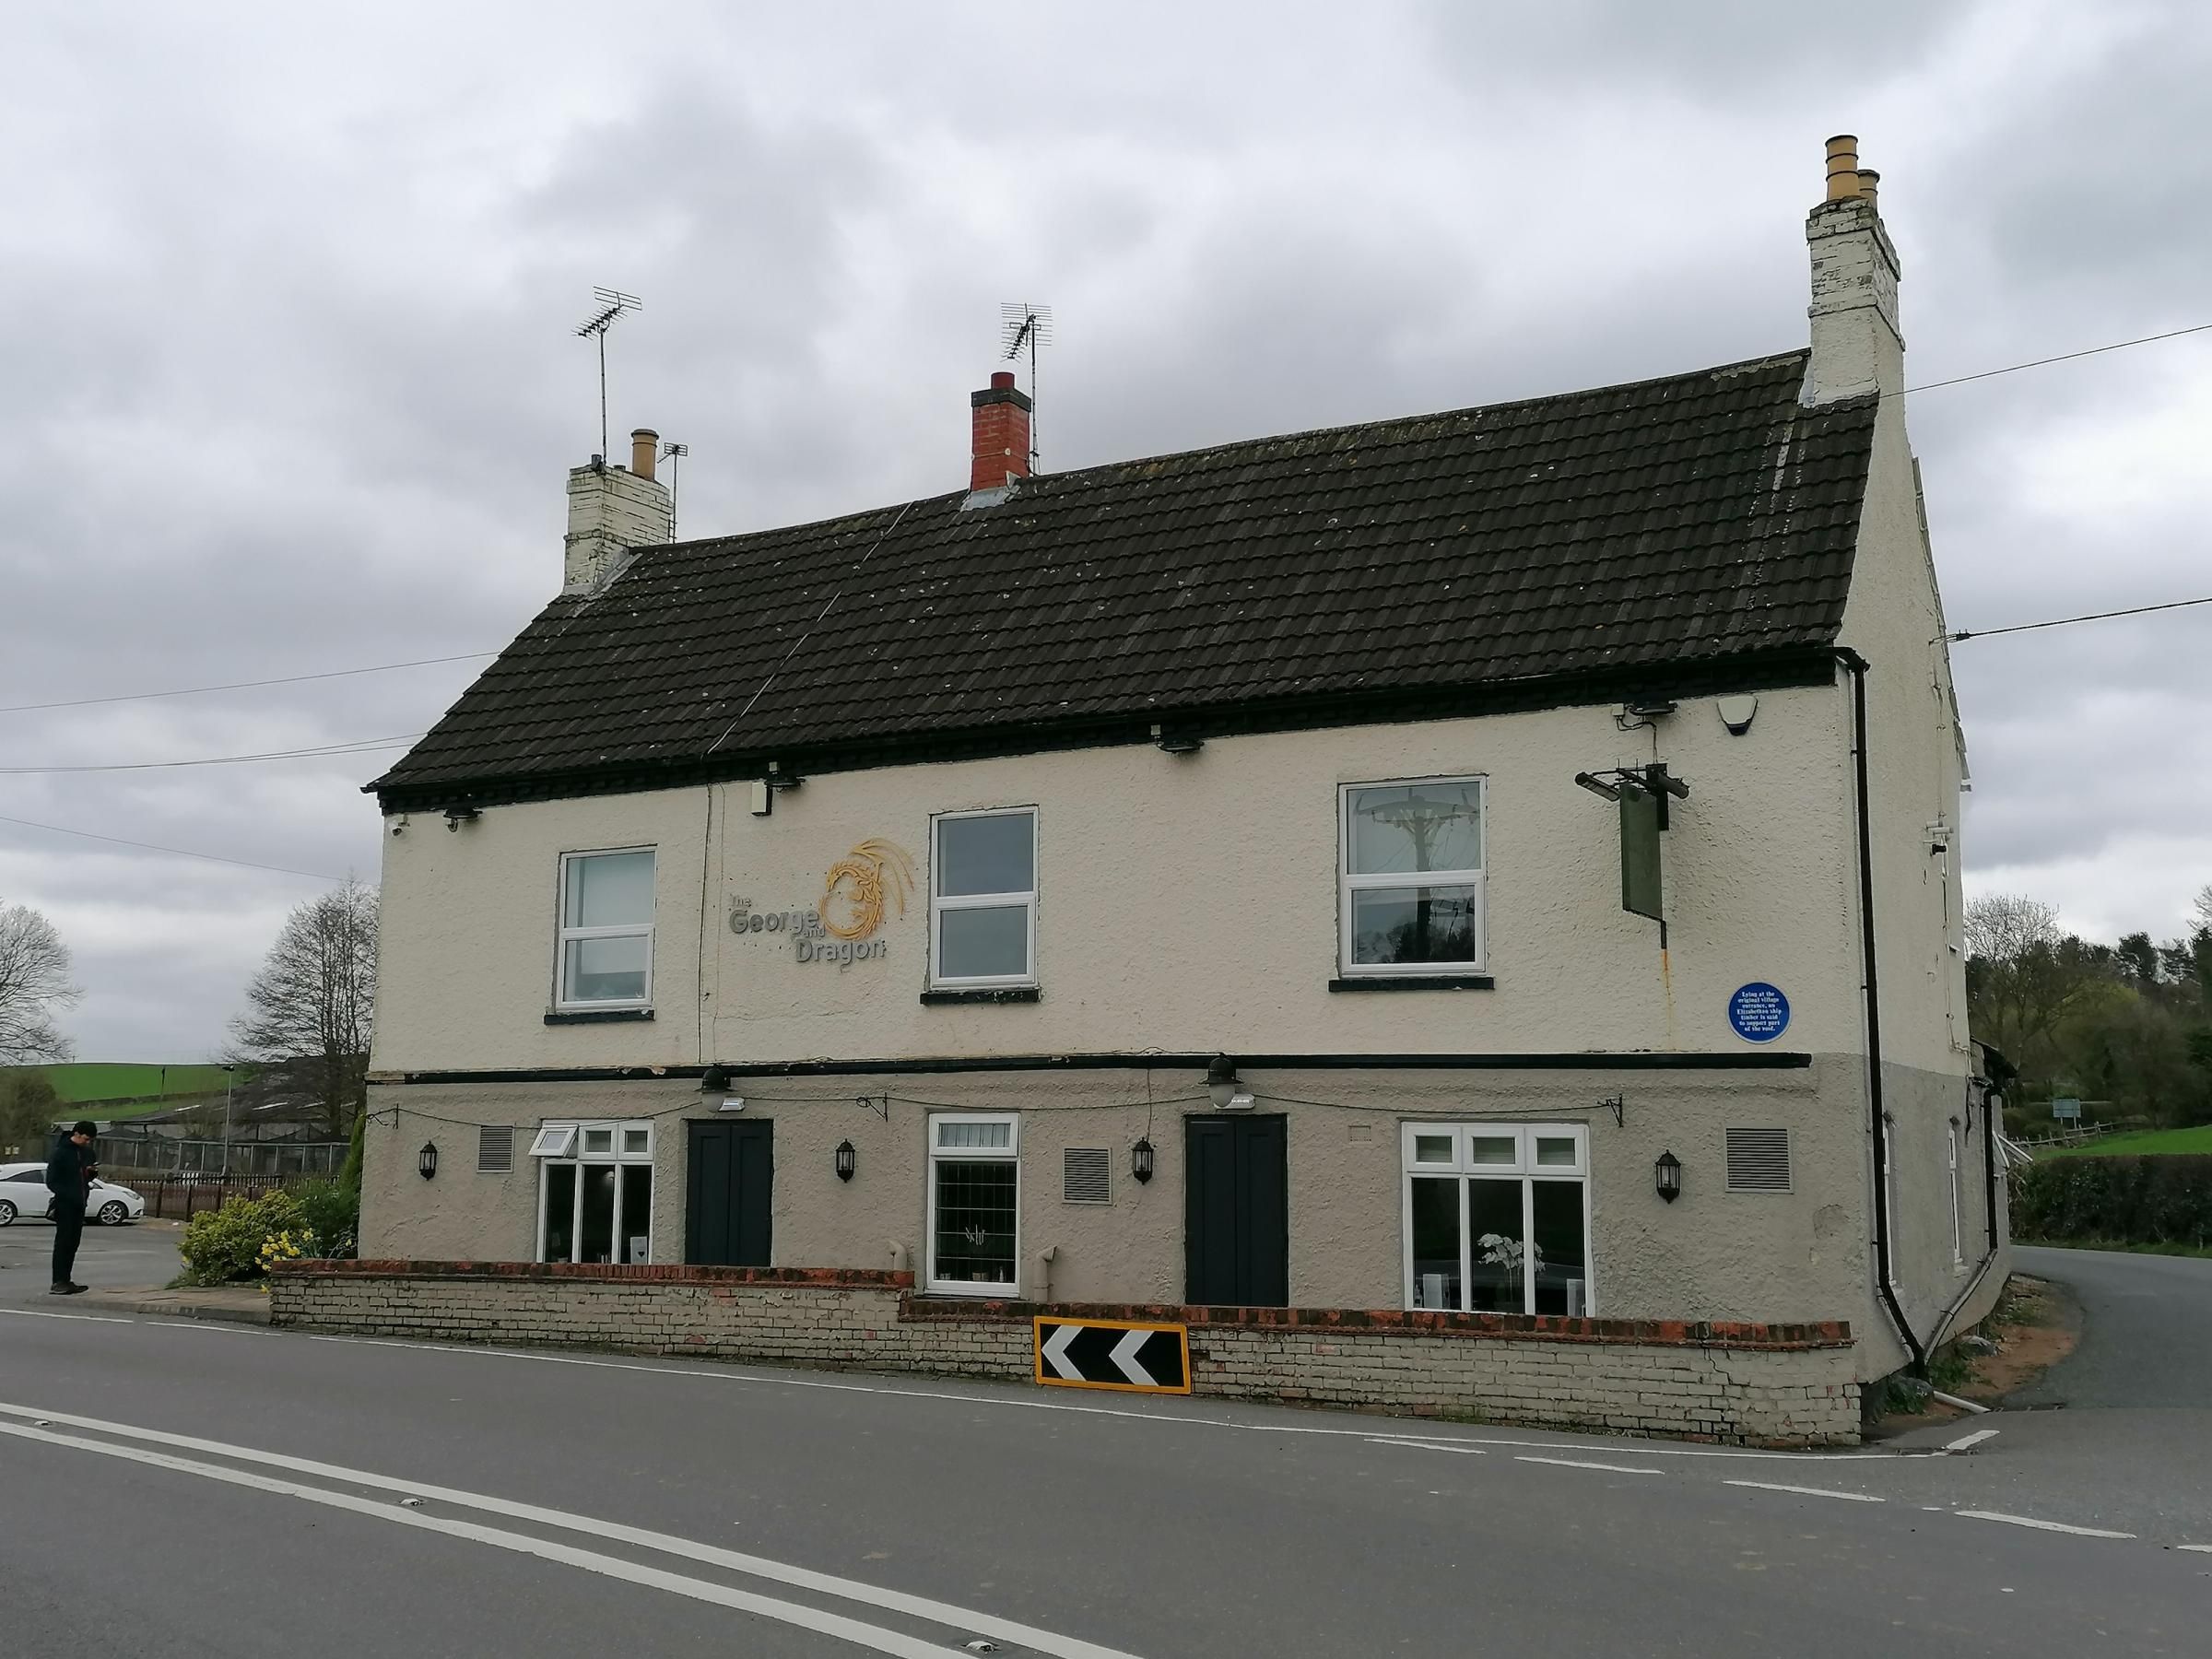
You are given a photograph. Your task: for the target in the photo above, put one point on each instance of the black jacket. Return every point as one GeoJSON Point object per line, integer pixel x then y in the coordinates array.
{"type": "Point", "coordinates": [69, 1172]}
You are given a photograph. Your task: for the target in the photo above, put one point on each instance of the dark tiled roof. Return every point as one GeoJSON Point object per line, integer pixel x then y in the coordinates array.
{"type": "Point", "coordinates": [1694, 519]}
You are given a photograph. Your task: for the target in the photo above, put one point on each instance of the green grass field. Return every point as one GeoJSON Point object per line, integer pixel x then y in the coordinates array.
{"type": "Point", "coordinates": [2146, 1143]}
{"type": "Point", "coordinates": [96, 1082]}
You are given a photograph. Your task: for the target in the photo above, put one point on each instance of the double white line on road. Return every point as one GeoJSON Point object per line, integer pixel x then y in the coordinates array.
{"type": "Point", "coordinates": [31, 1424]}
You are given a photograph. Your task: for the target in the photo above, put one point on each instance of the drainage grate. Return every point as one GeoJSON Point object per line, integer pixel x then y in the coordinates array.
{"type": "Point", "coordinates": [1085, 1175]}
{"type": "Point", "coordinates": [1758, 1161]}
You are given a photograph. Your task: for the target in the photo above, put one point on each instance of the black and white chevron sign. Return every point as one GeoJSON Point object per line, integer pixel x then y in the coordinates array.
{"type": "Point", "coordinates": [1113, 1353]}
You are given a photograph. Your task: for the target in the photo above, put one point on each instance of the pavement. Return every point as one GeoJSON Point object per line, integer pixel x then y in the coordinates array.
{"type": "Point", "coordinates": [277, 1493]}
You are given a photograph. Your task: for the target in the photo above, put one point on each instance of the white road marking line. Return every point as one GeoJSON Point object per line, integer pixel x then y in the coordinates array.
{"type": "Point", "coordinates": [2057, 1526]}
{"type": "Point", "coordinates": [1769, 1486]}
{"type": "Point", "coordinates": [717, 1373]}
{"type": "Point", "coordinates": [1376, 1440]}
{"type": "Point", "coordinates": [1966, 1443]}
{"type": "Point", "coordinates": [1569, 1463]}
{"type": "Point", "coordinates": [790, 1613]}
{"type": "Point", "coordinates": [2199, 1549]}
{"type": "Point", "coordinates": [88, 1318]}
{"type": "Point", "coordinates": [798, 1578]}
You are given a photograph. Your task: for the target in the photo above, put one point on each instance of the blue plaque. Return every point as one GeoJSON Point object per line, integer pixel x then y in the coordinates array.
{"type": "Point", "coordinates": [1759, 1012]}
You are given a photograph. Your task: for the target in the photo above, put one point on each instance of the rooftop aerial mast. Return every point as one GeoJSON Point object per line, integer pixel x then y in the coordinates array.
{"type": "Point", "coordinates": [613, 303]}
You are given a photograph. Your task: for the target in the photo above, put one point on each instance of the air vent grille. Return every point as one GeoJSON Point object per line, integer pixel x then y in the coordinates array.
{"type": "Point", "coordinates": [495, 1151]}
{"type": "Point", "coordinates": [1758, 1161]}
{"type": "Point", "coordinates": [1085, 1175]}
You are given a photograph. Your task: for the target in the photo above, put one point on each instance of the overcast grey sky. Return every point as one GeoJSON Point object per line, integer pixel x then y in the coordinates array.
{"type": "Point", "coordinates": [289, 382]}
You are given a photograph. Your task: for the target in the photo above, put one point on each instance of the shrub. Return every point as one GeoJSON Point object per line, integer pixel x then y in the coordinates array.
{"type": "Point", "coordinates": [2165, 1199]}
{"type": "Point", "coordinates": [330, 1214]}
{"type": "Point", "coordinates": [224, 1245]}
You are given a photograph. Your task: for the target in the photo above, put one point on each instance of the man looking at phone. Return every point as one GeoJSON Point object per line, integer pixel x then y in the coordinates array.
{"type": "Point", "coordinates": [69, 1178]}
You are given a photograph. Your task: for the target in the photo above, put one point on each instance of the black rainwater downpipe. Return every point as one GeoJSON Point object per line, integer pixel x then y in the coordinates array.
{"type": "Point", "coordinates": [1856, 666]}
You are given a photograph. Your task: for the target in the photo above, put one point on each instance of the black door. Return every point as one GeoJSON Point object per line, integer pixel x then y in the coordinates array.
{"type": "Point", "coordinates": [726, 1198]}
{"type": "Point", "coordinates": [1236, 1212]}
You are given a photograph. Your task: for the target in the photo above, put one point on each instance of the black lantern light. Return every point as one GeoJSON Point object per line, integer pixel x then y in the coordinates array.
{"type": "Point", "coordinates": [847, 1160]}
{"type": "Point", "coordinates": [1667, 1171]}
{"type": "Point", "coordinates": [1140, 1161]}
{"type": "Point", "coordinates": [1226, 1089]}
{"type": "Point", "coordinates": [715, 1081]}
{"type": "Point", "coordinates": [426, 1160]}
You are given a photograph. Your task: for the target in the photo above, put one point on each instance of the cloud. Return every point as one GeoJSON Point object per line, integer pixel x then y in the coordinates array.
{"type": "Point", "coordinates": [300, 386]}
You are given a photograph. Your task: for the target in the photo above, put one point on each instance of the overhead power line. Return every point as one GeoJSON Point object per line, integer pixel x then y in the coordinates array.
{"type": "Point", "coordinates": [2132, 610]}
{"type": "Point", "coordinates": [282, 679]}
{"type": "Point", "coordinates": [2065, 356]}
{"type": "Point", "coordinates": [355, 747]}
{"type": "Point", "coordinates": [243, 863]}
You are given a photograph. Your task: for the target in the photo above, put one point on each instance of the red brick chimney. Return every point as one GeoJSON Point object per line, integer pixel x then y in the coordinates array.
{"type": "Point", "coordinates": [1001, 452]}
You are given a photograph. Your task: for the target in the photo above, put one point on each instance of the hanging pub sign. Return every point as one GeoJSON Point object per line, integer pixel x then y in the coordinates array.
{"type": "Point", "coordinates": [843, 925]}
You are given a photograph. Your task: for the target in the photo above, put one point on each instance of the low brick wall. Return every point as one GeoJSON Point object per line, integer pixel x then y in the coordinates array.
{"type": "Point", "coordinates": [1757, 1385]}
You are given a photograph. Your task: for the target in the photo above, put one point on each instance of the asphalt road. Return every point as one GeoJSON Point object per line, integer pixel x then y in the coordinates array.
{"type": "Point", "coordinates": [2147, 1333]}
{"type": "Point", "coordinates": [939, 1514]}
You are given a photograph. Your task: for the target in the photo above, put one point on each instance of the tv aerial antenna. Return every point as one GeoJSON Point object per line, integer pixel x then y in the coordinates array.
{"type": "Point", "coordinates": [673, 452]}
{"type": "Point", "coordinates": [613, 303]}
{"type": "Point", "coordinates": [1023, 326]}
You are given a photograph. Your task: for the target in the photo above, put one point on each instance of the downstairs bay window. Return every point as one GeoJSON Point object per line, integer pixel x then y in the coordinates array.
{"type": "Point", "coordinates": [1498, 1219]}
{"type": "Point", "coordinates": [594, 1192]}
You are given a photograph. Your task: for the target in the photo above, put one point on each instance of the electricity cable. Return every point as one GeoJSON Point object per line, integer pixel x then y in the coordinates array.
{"type": "Point", "coordinates": [2065, 356]}
{"type": "Point", "coordinates": [357, 745]}
{"type": "Point", "coordinates": [282, 679]}
{"type": "Point", "coordinates": [2132, 610]}
{"type": "Point", "coordinates": [245, 863]}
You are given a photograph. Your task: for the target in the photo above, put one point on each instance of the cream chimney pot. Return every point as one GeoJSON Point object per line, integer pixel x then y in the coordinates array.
{"type": "Point", "coordinates": [1843, 166]}
{"type": "Point", "coordinates": [644, 449]}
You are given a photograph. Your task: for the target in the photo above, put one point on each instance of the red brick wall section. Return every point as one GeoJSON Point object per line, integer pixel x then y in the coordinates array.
{"type": "Point", "coordinates": [1779, 1385]}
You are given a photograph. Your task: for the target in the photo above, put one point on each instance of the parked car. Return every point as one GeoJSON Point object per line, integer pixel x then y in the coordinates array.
{"type": "Point", "coordinates": [23, 1193]}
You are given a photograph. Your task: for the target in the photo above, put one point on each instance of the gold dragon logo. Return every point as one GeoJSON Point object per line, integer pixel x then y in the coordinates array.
{"type": "Point", "coordinates": [855, 891]}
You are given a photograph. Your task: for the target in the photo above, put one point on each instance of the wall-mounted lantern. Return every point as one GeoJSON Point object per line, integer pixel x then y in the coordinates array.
{"type": "Point", "coordinates": [426, 1160]}
{"type": "Point", "coordinates": [716, 1082]}
{"type": "Point", "coordinates": [1225, 1087]}
{"type": "Point", "coordinates": [847, 1160]}
{"type": "Point", "coordinates": [1667, 1173]}
{"type": "Point", "coordinates": [1140, 1161]}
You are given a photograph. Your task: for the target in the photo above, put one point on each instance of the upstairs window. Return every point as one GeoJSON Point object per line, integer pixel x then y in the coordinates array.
{"type": "Point", "coordinates": [1412, 876]}
{"type": "Point", "coordinates": [606, 930]}
{"type": "Point", "coordinates": [982, 899]}
{"type": "Point", "coordinates": [595, 1193]}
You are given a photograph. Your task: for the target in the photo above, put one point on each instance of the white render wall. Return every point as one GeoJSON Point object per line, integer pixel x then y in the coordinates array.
{"type": "Point", "coordinates": [1186, 904]}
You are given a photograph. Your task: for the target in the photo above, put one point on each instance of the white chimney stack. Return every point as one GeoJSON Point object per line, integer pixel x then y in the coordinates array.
{"type": "Point", "coordinates": [612, 510]}
{"type": "Point", "coordinates": [1857, 347]}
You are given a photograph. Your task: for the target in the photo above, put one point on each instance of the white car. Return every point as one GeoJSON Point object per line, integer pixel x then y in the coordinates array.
{"type": "Point", "coordinates": [23, 1193]}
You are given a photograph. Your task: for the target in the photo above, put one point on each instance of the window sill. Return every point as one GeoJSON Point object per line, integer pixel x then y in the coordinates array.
{"type": "Point", "coordinates": [597, 1016]}
{"type": "Point", "coordinates": [1000, 994]}
{"type": "Point", "coordinates": [1417, 982]}
{"type": "Point", "coordinates": [963, 1291]}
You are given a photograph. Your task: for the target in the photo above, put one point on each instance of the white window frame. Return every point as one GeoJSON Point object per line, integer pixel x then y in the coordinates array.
{"type": "Point", "coordinates": [1462, 1169]}
{"type": "Point", "coordinates": [563, 933]}
{"type": "Point", "coordinates": [1009, 1153]}
{"type": "Point", "coordinates": [562, 1142]}
{"type": "Point", "coordinates": [941, 902]}
{"type": "Point", "coordinates": [1958, 1234]}
{"type": "Point", "coordinates": [1347, 883]}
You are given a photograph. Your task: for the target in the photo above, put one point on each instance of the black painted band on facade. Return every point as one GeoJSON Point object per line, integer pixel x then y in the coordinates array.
{"type": "Point", "coordinates": [1417, 982]}
{"type": "Point", "coordinates": [1671, 1060]}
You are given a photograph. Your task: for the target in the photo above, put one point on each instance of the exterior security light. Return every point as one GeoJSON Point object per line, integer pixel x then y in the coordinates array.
{"type": "Point", "coordinates": [1668, 1173]}
{"type": "Point", "coordinates": [847, 1160]}
{"type": "Point", "coordinates": [457, 816]}
{"type": "Point", "coordinates": [1176, 743]}
{"type": "Point", "coordinates": [1225, 1087]}
{"type": "Point", "coordinates": [717, 1080]}
{"type": "Point", "coordinates": [1140, 1161]}
{"type": "Point", "coordinates": [732, 1103]}
{"type": "Point", "coordinates": [1597, 786]}
{"type": "Point", "coordinates": [426, 1160]}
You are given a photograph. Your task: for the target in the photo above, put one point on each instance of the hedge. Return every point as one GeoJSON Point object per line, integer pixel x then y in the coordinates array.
{"type": "Point", "coordinates": [2165, 1199]}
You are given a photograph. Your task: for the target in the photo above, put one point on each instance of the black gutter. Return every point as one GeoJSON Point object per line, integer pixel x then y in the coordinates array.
{"type": "Point", "coordinates": [1856, 666]}
{"type": "Point", "coordinates": [943, 1064]}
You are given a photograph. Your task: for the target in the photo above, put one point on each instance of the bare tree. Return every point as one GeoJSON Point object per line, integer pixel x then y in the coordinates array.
{"type": "Point", "coordinates": [2203, 908]}
{"type": "Point", "coordinates": [34, 987]}
{"type": "Point", "coordinates": [2024, 974]}
{"type": "Point", "coordinates": [315, 997]}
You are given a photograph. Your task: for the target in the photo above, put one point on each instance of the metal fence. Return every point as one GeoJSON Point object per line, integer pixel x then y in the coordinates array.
{"type": "Point", "coordinates": [152, 1157]}
{"type": "Point", "coordinates": [174, 1197]}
